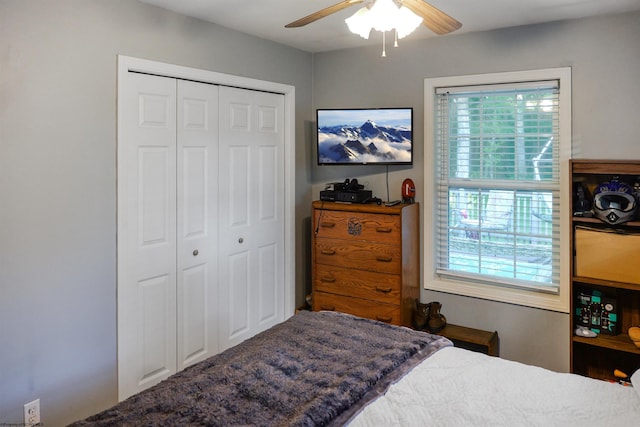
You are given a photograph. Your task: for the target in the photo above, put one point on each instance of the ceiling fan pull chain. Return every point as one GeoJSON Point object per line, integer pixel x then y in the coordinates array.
{"type": "Point", "coordinates": [384, 40]}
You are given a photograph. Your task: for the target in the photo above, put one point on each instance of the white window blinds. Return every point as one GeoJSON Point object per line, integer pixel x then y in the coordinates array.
{"type": "Point", "coordinates": [498, 184]}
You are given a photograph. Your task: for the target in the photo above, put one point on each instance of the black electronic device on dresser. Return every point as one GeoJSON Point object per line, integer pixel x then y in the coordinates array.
{"type": "Point", "coordinates": [348, 191]}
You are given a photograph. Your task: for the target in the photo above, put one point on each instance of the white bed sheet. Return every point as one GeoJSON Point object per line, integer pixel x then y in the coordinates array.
{"type": "Point", "coordinates": [457, 387]}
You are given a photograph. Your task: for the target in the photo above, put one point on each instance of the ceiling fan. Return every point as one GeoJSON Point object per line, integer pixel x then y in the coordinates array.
{"type": "Point", "coordinates": [432, 17]}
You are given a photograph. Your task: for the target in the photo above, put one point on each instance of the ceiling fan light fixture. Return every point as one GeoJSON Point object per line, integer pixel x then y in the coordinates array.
{"type": "Point", "coordinates": [407, 22]}
{"type": "Point", "coordinates": [383, 15]}
{"type": "Point", "coordinates": [359, 23]}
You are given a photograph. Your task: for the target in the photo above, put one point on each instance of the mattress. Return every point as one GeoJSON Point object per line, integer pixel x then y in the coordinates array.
{"type": "Point", "coordinates": [457, 387]}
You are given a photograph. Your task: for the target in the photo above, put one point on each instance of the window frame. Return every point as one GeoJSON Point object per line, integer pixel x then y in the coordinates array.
{"type": "Point", "coordinates": [431, 280]}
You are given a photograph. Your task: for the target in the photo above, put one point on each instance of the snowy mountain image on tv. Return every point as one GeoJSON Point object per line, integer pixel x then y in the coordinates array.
{"type": "Point", "coordinates": [365, 136]}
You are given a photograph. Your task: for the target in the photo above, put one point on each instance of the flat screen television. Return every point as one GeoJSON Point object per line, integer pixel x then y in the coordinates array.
{"type": "Point", "coordinates": [365, 136]}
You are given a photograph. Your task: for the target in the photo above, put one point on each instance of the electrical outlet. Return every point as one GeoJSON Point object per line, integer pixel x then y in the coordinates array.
{"type": "Point", "coordinates": [32, 413]}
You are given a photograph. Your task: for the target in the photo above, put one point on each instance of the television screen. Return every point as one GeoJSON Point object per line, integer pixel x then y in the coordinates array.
{"type": "Point", "coordinates": [365, 136]}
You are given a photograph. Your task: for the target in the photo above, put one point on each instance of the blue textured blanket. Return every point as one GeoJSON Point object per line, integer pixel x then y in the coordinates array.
{"type": "Point", "coordinates": [316, 368]}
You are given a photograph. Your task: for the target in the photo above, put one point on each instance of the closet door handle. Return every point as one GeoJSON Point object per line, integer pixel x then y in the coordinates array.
{"type": "Point", "coordinates": [384, 258]}
{"type": "Point", "coordinates": [195, 252]}
{"type": "Point", "coordinates": [328, 252]}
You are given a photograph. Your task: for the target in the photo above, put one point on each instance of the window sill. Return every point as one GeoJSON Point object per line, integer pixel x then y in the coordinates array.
{"type": "Point", "coordinates": [545, 301]}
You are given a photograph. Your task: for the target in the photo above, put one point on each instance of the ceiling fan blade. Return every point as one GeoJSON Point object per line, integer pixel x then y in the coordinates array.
{"type": "Point", "coordinates": [433, 18]}
{"type": "Point", "coordinates": [322, 13]}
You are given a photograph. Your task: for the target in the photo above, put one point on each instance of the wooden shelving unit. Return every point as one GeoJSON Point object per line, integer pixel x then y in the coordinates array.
{"type": "Point", "coordinates": [599, 357]}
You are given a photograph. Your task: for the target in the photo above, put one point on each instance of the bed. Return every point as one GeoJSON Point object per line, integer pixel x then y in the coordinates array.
{"type": "Point", "coordinates": [328, 368]}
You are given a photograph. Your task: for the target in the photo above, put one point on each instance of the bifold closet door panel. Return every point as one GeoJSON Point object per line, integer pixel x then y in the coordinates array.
{"type": "Point", "coordinates": [251, 221]}
{"type": "Point", "coordinates": [147, 295]}
{"type": "Point", "coordinates": [200, 222]}
{"type": "Point", "coordinates": [197, 229]}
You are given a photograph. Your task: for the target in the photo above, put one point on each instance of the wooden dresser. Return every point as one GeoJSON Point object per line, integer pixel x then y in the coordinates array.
{"type": "Point", "coordinates": [366, 260]}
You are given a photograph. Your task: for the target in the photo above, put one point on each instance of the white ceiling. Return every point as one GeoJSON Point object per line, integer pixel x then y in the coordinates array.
{"type": "Point", "coordinates": [267, 18]}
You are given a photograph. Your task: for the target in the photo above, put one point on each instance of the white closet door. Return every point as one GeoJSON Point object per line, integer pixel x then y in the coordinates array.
{"type": "Point", "coordinates": [147, 223]}
{"type": "Point", "coordinates": [251, 221]}
{"type": "Point", "coordinates": [201, 229]}
{"type": "Point", "coordinates": [197, 233]}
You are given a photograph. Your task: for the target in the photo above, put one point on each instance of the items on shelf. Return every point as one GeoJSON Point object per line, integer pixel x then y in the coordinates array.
{"type": "Point", "coordinates": [607, 254]}
{"type": "Point", "coordinates": [634, 334]}
{"type": "Point", "coordinates": [583, 331]}
{"type": "Point", "coordinates": [596, 313]}
{"type": "Point", "coordinates": [581, 202]}
{"type": "Point", "coordinates": [614, 202]}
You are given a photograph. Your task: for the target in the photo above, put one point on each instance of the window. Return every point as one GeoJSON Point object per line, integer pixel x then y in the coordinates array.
{"type": "Point", "coordinates": [498, 163]}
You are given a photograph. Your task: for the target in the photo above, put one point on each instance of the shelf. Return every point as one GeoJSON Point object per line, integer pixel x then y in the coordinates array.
{"type": "Point", "coordinates": [473, 339]}
{"type": "Point", "coordinates": [605, 167]}
{"type": "Point", "coordinates": [596, 221]}
{"type": "Point", "coordinates": [605, 283]}
{"type": "Point", "coordinates": [620, 342]}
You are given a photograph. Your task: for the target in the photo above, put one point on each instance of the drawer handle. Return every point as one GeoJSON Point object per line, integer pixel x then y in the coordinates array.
{"type": "Point", "coordinates": [384, 258]}
{"type": "Point", "coordinates": [385, 319]}
{"type": "Point", "coordinates": [327, 307]}
{"type": "Point", "coordinates": [328, 252]}
{"type": "Point", "coordinates": [328, 279]}
{"type": "Point", "coordinates": [383, 290]}
{"type": "Point", "coordinates": [327, 224]}
{"type": "Point", "coordinates": [384, 229]}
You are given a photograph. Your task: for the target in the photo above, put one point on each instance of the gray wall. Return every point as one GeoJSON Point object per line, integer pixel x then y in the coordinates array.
{"type": "Point", "coordinates": [58, 182]}
{"type": "Point", "coordinates": [604, 55]}
{"type": "Point", "coordinates": [57, 164]}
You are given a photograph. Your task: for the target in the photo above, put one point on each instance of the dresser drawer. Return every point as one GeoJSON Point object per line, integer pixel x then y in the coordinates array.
{"type": "Point", "coordinates": [361, 284]}
{"type": "Point", "coordinates": [358, 255]}
{"type": "Point", "coordinates": [358, 307]}
{"type": "Point", "coordinates": [358, 226]}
